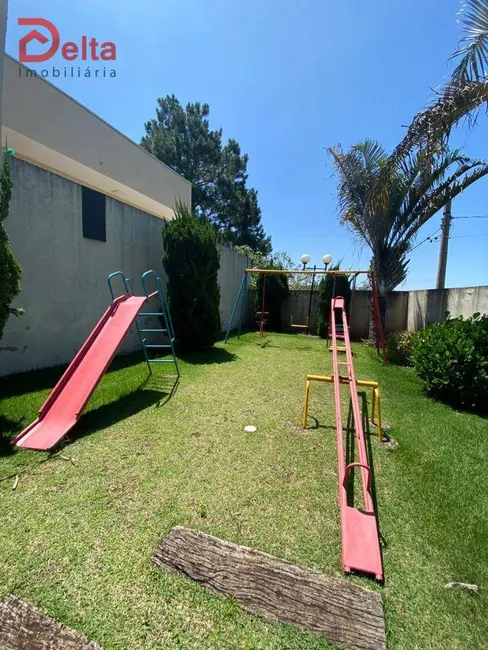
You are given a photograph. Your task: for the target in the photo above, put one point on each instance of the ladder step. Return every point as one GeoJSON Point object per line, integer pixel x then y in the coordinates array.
{"type": "Point", "coordinates": [151, 313]}
{"type": "Point", "coordinates": [153, 345]}
{"type": "Point", "coordinates": [162, 360]}
{"type": "Point", "coordinates": [152, 330]}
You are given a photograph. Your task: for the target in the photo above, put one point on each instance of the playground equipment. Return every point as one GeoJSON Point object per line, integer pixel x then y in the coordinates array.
{"type": "Point", "coordinates": [262, 314]}
{"type": "Point", "coordinates": [359, 531]}
{"type": "Point", "coordinates": [62, 409]}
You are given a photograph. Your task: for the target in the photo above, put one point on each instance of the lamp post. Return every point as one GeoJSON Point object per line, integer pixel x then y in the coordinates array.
{"type": "Point", "coordinates": [305, 259]}
{"type": "Point", "coordinates": [327, 259]}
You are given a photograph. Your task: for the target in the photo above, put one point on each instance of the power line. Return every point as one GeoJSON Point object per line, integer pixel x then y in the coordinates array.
{"type": "Point", "coordinates": [428, 238]}
{"type": "Point", "coordinates": [483, 234]}
{"type": "Point", "coordinates": [473, 216]}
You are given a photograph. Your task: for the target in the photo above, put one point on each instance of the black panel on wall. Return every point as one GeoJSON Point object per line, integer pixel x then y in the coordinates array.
{"type": "Point", "coordinates": [93, 212]}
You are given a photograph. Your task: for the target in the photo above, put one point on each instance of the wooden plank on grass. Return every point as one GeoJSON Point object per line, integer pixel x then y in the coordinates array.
{"type": "Point", "coordinates": [23, 627]}
{"type": "Point", "coordinates": [342, 612]}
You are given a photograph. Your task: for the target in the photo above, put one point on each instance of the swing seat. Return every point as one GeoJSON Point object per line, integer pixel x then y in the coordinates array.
{"type": "Point", "coordinates": [296, 325]}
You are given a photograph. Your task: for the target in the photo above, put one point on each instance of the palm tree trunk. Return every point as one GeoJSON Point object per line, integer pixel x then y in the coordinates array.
{"type": "Point", "coordinates": [382, 305]}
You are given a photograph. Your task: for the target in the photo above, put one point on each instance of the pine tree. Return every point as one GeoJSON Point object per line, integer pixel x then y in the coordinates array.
{"type": "Point", "coordinates": [182, 139]}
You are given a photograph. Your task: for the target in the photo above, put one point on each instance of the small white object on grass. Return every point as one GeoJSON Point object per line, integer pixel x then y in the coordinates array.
{"type": "Point", "coordinates": [250, 428]}
{"type": "Point", "coordinates": [462, 585]}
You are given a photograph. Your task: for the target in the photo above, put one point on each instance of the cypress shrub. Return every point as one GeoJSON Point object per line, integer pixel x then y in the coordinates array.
{"type": "Point", "coordinates": [343, 288]}
{"type": "Point", "coordinates": [276, 292]}
{"type": "Point", "coordinates": [191, 260]}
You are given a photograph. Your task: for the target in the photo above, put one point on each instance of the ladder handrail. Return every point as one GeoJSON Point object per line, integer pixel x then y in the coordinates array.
{"type": "Point", "coordinates": [125, 281]}
{"type": "Point", "coordinates": [165, 313]}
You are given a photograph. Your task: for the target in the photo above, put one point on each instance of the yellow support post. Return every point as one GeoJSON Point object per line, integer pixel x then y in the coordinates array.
{"type": "Point", "coordinates": [376, 402]}
{"type": "Point", "coordinates": [305, 405]}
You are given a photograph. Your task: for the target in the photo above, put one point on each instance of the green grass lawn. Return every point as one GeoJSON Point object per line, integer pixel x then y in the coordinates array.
{"type": "Point", "coordinates": [76, 537]}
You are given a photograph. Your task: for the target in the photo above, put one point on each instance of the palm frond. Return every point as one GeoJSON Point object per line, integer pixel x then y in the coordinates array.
{"type": "Point", "coordinates": [431, 127]}
{"type": "Point", "coordinates": [473, 50]}
{"type": "Point", "coordinates": [352, 190]}
{"type": "Point", "coordinates": [449, 189]}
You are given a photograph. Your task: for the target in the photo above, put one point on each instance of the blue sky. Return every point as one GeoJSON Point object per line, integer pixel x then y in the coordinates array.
{"type": "Point", "coordinates": [285, 79]}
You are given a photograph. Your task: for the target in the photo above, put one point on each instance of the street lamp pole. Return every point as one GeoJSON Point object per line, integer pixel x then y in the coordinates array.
{"type": "Point", "coordinates": [305, 259]}
{"type": "Point", "coordinates": [310, 299]}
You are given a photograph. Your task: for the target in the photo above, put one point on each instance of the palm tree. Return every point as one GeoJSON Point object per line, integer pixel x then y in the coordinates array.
{"type": "Point", "coordinates": [385, 200]}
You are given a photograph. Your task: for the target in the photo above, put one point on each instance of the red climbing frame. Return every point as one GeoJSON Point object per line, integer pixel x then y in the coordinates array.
{"type": "Point", "coordinates": [359, 530]}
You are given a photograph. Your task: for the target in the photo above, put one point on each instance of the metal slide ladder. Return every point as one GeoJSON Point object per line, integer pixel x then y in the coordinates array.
{"type": "Point", "coordinates": [163, 314]}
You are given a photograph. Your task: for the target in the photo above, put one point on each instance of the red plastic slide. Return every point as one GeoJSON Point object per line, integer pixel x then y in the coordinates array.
{"type": "Point", "coordinates": [63, 407]}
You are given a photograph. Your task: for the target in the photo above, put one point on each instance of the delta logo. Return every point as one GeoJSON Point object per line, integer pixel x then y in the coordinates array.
{"type": "Point", "coordinates": [87, 49]}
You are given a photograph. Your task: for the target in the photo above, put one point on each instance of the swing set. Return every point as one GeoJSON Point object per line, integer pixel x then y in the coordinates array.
{"type": "Point", "coordinates": [262, 315]}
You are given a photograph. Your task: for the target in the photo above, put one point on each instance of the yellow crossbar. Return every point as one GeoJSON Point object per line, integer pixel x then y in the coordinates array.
{"type": "Point", "coordinates": [375, 406]}
{"type": "Point", "coordinates": [294, 272]}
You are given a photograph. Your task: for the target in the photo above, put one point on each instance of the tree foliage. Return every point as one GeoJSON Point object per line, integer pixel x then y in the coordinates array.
{"type": "Point", "coordinates": [10, 270]}
{"type": "Point", "coordinates": [464, 93]}
{"type": "Point", "coordinates": [326, 290]}
{"type": "Point", "coordinates": [183, 140]}
{"type": "Point", "coordinates": [191, 260]}
{"type": "Point", "coordinates": [276, 292]}
{"type": "Point", "coordinates": [279, 260]}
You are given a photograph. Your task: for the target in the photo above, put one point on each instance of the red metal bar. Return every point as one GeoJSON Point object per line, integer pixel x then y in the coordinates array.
{"type": "Point", "coordinates": [261, 325]}
{"type": "Point", "coordinates": [359, 532]}
{"type": "Point", "coordinates": [353, 294]}
{"type": "Point", "coordinates": [329, 326]}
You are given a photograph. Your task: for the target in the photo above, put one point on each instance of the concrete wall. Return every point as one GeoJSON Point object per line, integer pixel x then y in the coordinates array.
{"type": "Point", "coordinates": [64, 279]}
{"type": "Point", "coordinates": [50, 129]}
{"type": "Point", "coordinates": [395, 316]}
{"type": "Point", "coordinates": [64, 275]}
{"type": "Point", "coordinates": [406, 309]}
{"type": "Point", "coordinates": [232, 267]}
{"type": "Point", "coordinates": [429, 306]}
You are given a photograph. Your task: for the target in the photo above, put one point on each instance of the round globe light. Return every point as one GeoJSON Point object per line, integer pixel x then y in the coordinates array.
{"type": "Point", "coordinates": [305, 259]}
{"type": "Point", "coordinates": [327, 259]}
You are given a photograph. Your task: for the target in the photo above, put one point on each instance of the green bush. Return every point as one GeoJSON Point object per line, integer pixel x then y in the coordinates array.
{"type": "Point", "coordinates": [452, 359]}
{"type": "Point", "coordinates": [342, 288]}
{"type": "Point", "coordinates": [191, 261]}
{"type": "Point", "coordinates": [276, 292]}
{"type": "Point", "coordinates": [399, 347]}
{"type": "Point", "coordinates": [10, 270]}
